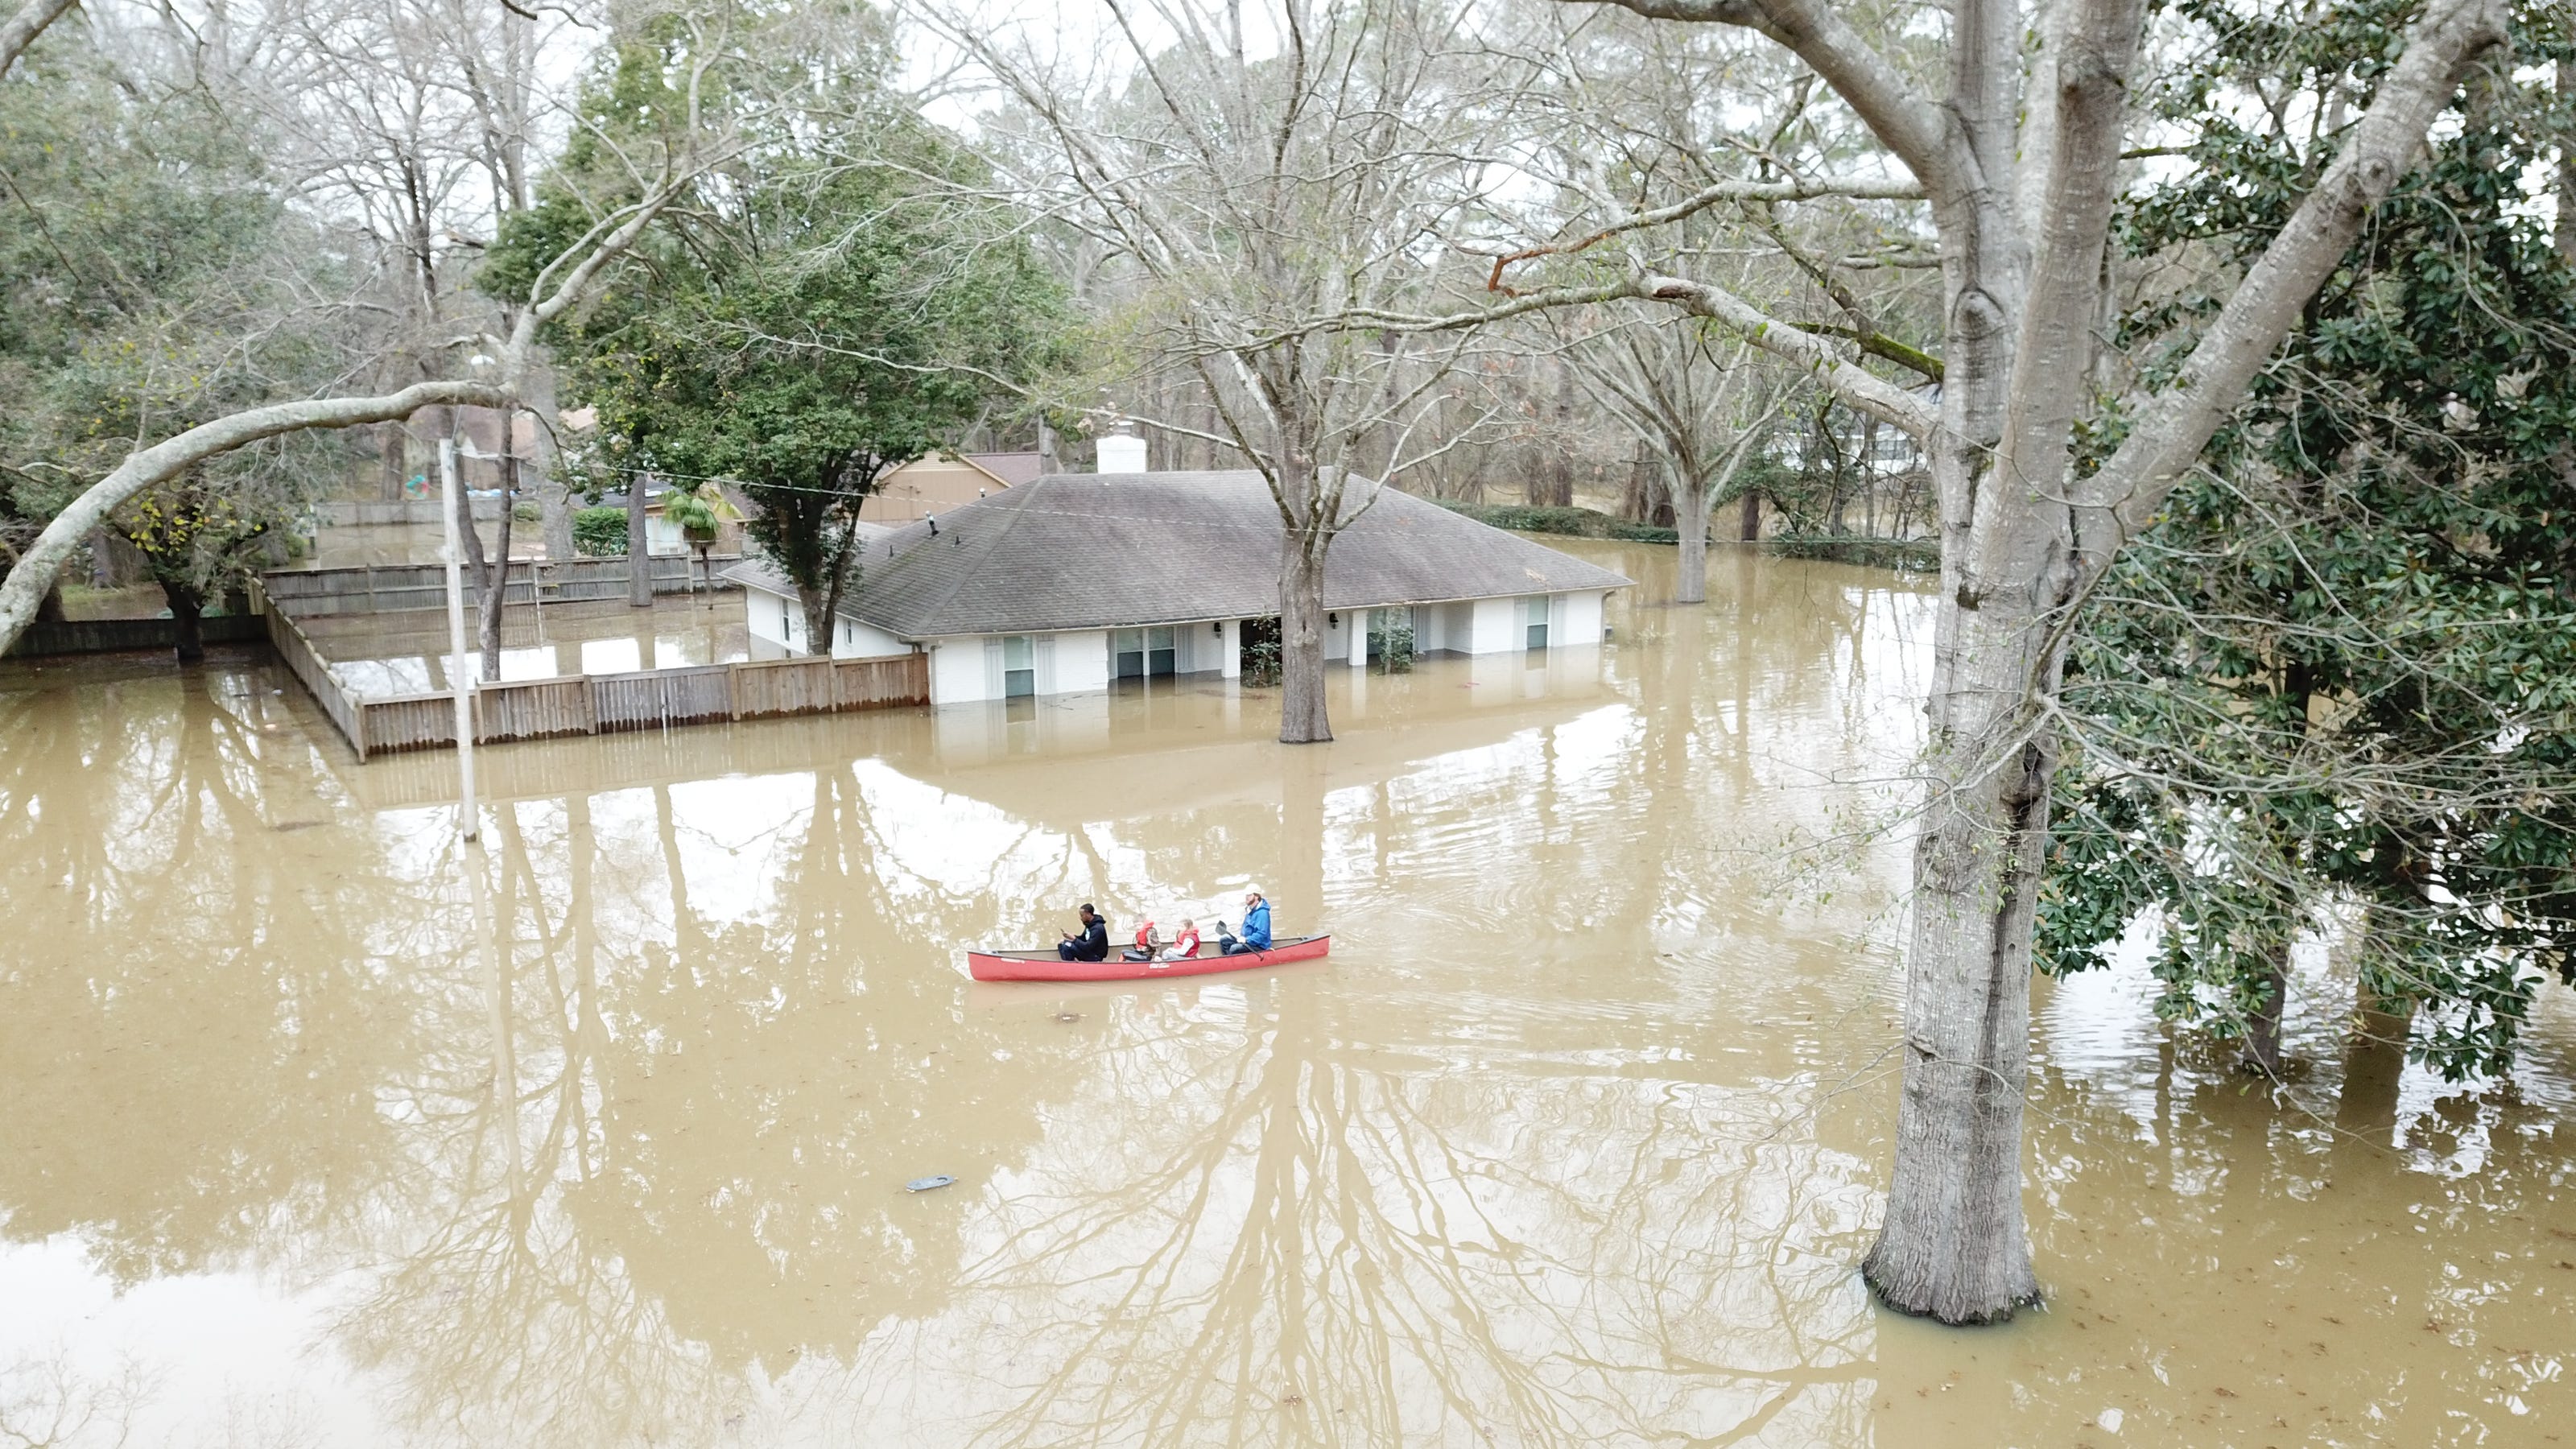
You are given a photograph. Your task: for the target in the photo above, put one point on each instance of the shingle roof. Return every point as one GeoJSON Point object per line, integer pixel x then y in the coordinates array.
{"type": "Point", "coordinates": [1095, 550]}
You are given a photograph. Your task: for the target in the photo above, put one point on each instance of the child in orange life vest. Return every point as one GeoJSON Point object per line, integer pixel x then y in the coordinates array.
{"type": "Point", "coordinates": [1185, 945]}
{"type": "Point", "coordinates": [1147, 941]}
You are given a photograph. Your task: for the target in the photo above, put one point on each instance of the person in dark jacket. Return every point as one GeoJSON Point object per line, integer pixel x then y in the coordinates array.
{"type": "Point", "coordinates": [1091, 945]}
{"type": "Point", "coordinates": [1256, 927]}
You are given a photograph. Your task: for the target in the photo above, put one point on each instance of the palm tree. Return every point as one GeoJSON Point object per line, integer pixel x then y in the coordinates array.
{"type": "Point", "coordinates": [700, 512]}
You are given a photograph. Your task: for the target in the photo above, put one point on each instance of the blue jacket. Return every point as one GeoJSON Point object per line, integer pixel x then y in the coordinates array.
{"type": "Point", "coordinates": [1256, 927]}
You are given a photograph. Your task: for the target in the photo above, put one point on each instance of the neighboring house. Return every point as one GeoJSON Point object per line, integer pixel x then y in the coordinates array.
{"type": "Point", "coordinates": [1065, 583]}
{"type": "Point", "coordinates": [939, 482]}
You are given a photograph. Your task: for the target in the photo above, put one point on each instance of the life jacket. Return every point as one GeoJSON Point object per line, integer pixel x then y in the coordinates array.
{"type": "Point", "coordinates": [1145, 937]}
{"type": "Point", "coordinates": [1187, 942]}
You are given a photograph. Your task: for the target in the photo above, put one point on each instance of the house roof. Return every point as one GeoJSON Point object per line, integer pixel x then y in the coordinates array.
{"type": "Point", "coordinates": [1011, 468]}
{"type": "Point", "coordinates": [1107, 550]}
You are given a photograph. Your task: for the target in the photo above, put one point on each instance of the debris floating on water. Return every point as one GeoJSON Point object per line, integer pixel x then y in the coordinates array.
{"type": "Point", "coordinates": [1068, 1016]}
{"type": "Point", "coordinates": [925, 1184]}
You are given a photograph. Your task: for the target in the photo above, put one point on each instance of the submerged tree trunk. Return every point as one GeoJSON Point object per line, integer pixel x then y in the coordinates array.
{"type": "Point", "coordinates": [187, 611]}
{"type": "Point", "coordinates": [393, 461]}
{"type": "Point", "coordinates": [639, 559]}
{"type": "Point", "coordinates": [496, 576]}
{"type": "Point", "coordinates": [2262, 1054]}
{"type": "Point", "coordinates": [1302, 718]}
{"type": "Point", "coordinates": [1690, 521]}
{"type": "Point", "coordinates": [1749, 521]}
{"type": "Point", "coordinates": [2021, 183]}
{"type": "Point", "coordinates": [1953, 1245]}
{"type": "Point", "coordinates": [554, 498]}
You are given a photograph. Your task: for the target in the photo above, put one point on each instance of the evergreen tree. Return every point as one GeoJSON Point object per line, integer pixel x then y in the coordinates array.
{"type": "Point", "coordinates": [2334, 687]}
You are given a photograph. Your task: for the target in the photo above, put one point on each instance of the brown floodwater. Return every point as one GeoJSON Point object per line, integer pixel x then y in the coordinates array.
{"type": "Point", "coordinates": [404, 651]}
{"type": "Point", "coordinates": [317, 1128]}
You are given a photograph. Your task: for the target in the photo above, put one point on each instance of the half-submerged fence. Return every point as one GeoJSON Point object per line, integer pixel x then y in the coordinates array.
{"type": "Point", "coordinates": [390, 588]}
{"type": "Point", "coordinates": [102, 636]}
{"type": "Point", "coordinates": [589, 704]}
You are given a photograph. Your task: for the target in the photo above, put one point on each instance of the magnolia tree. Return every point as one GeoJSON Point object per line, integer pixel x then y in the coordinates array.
{"type": "Point", "coordinates": [2018, 151]}
{"type": "Point", "coordinates": [1260, 177]}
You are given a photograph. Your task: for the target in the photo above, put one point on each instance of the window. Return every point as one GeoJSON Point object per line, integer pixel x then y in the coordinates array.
{"type": "Point", "coordinates": [1534, 621]}
{"type": "Point", "coordinates": [1019, 667]}
{"type": "Point", "coordinates": [1142, 653]}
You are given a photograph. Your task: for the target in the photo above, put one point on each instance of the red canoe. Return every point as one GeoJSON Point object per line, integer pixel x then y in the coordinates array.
{"type": "Point", "coordinates": [1046, 966]}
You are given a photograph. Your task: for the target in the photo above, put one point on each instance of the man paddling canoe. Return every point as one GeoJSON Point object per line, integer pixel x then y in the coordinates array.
{"type": "Point", "coordinates": [1256, 927]}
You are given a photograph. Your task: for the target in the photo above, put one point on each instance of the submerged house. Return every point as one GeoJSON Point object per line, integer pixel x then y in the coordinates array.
{"type": "Point", "coordinates": [1070, 581]}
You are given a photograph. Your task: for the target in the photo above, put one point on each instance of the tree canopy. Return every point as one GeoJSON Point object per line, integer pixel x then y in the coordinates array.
{"type": "Point", "coordinates": [824, 310]}
{"type": "Point", "coordinates": [2338, 677]}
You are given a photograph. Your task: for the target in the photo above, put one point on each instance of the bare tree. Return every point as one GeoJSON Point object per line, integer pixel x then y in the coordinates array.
{"type": "Point", "coordinates": [1699, 402]}
{"type": "Point", "coordinates": [1253, 191]}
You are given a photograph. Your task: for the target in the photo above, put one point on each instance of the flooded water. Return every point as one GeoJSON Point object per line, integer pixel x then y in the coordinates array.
{"type": "Point", "coordinates": [318, 1129]}
{"type": "Point", "coordinates": [405, 651]}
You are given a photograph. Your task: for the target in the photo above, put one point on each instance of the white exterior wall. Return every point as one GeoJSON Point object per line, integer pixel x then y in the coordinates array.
{"type": "Point", "coordinates": [762, 614]}
{"type": "Point", "coordinates": [778, 620]}
{"type": "Point", "coordinates": [865, 641]}
{"type": "Point", "coordinates": [1230, 649]}
{"type": "Point", "coordinates": [1494, 627]}
{"type": "Point", "coordinates": [1337, 636]}
{"type": "Point", "coordinates": [1582, 618]}
{"type": "Point", "coordinates": [1081, 662]}
{"type": "Point", "coordinates": [957, 670]}
{"type": "Point", "coordinates": [1073, 662]}
{"type": "Point", "coordinates": [1430, 628]}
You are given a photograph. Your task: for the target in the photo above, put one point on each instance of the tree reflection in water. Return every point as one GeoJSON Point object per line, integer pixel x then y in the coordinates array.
{"type": "Point", "coordinates": [1572, 1141]}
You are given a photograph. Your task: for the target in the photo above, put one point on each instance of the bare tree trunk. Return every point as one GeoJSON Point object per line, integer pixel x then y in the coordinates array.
{"type": "Point", "coordinates": [1748, 527]}
{"type": "Point", "coordinates": [554, 498]}
{"type": "Point", "coordinates": [496, 577]}
{"type": "Point", "coordinates": [462, 505]}
{"type": "Point", "coordinates": [1302, 718]}
{"type": "Point", "coordinates": [393, 461]}
{"type": "Point", "coordinates": [187, 612]}
{"type": "Point", "coordinates": [639, 562]}
{"type": "Point", "coordinates": [2262, 1055]}
{"type": "Point", "coordinates": [1690, 521]}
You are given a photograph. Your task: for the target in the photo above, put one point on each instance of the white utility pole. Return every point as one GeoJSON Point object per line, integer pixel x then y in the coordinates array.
{"type": "Point", "coordinates": [458, 666]}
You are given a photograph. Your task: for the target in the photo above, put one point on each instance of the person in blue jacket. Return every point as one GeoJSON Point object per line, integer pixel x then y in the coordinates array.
{"type": "Point", "coordinates": [1256, 927]}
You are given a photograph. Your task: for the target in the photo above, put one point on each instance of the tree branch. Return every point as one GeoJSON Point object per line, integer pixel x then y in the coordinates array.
{"type": "Point", "coordinates": [1702, 200]}
{"type": "Point", "coordinates": [25, 26]}
{"type": "Point", "coordinates": [1908, 124]}
{"type": "Point", "coordinates": [33, 578]}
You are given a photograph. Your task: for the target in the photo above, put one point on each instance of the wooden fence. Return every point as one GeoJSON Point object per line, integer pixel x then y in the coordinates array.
{"type": "Point", "coordinates": [305, 663]}
{"type": "Point", "coordinates": [387, 588]}
{"type": "Point", "coordinates": [101, 636]}
{"type": "Point", "coordinates": [589, 704]}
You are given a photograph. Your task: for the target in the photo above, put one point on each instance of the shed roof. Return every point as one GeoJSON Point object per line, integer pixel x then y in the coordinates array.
{"type": "Point", "coordinates": [1112, 550]}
